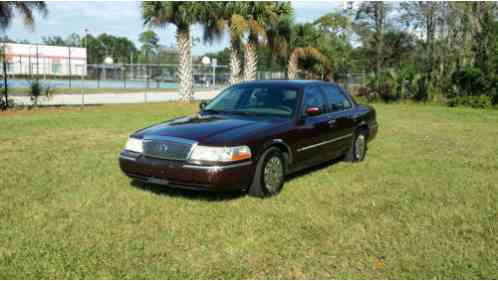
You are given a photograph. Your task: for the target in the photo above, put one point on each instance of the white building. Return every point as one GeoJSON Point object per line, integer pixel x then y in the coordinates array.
{"type": "Point", "coordinates": [44, 60]}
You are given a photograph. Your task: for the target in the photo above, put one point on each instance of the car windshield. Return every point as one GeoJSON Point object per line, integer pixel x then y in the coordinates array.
{"type": "Point", "coordinates": [256, 100]}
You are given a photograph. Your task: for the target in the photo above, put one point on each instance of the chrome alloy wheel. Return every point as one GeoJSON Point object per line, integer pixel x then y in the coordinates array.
{"type": "Point", "coordinates": [273, 174]}
{"type": "Point", "coordinates": [359, 146]}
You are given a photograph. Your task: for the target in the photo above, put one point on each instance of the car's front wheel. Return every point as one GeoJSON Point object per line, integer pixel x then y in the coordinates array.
{"type": "Point", "coordinates": [269, 175]}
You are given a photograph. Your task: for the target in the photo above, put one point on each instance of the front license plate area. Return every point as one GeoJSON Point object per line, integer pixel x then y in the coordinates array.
{"type": "Point", "coordinates": [157, 181]}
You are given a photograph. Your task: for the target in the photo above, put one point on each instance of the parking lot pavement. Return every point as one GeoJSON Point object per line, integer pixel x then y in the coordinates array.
{"type": "Point", "coordinates": [110, 98]}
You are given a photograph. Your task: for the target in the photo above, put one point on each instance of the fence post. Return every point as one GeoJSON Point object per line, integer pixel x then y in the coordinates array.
{"type": "Point", "coordinates": [147, 83]}
{"type": "Point", "coordinates": [69, 67]}
{"type": "Point", "coordinates": [82, 89]}
{"type": "Point", "coordinates": [214, 76]}
{"type": "Point", "coordinates": [97, 68]}
{"type": "Point", "coordinates": [124, 76]}
{"type": "Point", "coordinates": [147, 73]}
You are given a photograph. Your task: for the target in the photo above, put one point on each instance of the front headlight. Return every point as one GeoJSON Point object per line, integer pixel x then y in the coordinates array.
{"type": "Point", "coordinates": [134, 145]}
{"type": "Point", "coordinates": [220, 154]}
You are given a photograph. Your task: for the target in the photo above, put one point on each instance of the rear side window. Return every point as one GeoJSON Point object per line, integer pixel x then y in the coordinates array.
{"type": "Point", "coordinates": [313, 97]}
{"type": "Point", "coordinates": [336, 100]}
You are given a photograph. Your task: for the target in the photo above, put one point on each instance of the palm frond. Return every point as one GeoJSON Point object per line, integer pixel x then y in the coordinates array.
{"type": "Point", "coordinates": [25, 9]}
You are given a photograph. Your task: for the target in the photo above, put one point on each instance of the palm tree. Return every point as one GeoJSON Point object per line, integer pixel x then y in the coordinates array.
{"type": "Point", "coordinates": [305, 52]}
{"type": "Point", "coordinates": [241, 18]}
{"type": "Point", "coordinates": [304, 41]}
{"type": "Point", "coordinates": [279, 37]}
{"type": "Point", "coordinates": [236, 24]}
{"type": "Point", "coordinates": [7, 11]}
{"type": "Point", "coordinates": [182, 15]}
{"type": "Point", "coordinates": [237, 27]}
{"type": "Point", "coordinates": [218, 17]}
{"type": "Point", "coordinates": [257, 17]}
{"type": "Point", "coordinates": [25, 9]}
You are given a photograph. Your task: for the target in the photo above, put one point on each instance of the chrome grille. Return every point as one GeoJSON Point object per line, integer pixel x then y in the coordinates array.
{"type": "Point", "coordinates": [167, 147]}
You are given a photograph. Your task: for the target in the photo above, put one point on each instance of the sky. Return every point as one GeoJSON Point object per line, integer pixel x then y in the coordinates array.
{"type": "Point", "coordinates": [124, 19]}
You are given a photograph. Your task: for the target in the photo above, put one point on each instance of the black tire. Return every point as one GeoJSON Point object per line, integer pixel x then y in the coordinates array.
{"type": "Point", "coordinates": [259, 188]}
{"type": "Point", "coordinates": [358, 150]}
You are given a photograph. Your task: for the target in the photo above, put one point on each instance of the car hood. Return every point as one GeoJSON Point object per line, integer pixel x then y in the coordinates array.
{"type": "Point", "coordinates": [212, 129]}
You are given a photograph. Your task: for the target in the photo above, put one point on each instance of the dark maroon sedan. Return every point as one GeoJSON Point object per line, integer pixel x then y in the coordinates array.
{"type": "Point", "coordinates": [250, 136]}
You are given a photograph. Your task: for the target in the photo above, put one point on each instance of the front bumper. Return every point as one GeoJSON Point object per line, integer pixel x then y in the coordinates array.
{"type": "Point", "coordinates": [180, 174]}
{"type": "Point", "coordinates": [372, 131]}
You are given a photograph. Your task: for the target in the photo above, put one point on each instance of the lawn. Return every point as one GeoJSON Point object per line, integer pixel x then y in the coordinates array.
{"type": "Point", "coordinates": [426, 200]}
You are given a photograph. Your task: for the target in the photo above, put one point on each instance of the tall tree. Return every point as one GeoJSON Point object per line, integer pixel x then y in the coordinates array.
{"type": "Point", "coordinates": [53, 41]}
{"type": "Point", "coordinates": [424, 15]}
{"type": "Point", "coordinates": [118, 48]}
{"type": "Point", "coordinates": [25, 10]}
{"type": "Point", "coordinates": [241, 19]}
{"type": "Point", "coordinates": [374, 15]}
{"type": "Point", "coordinates": [258, 16]}
{"type": "Point", "coordinates": [279, 40]}
{"type": "Point", "coordinates": [73, 40]}
{"type": "Point", "coordinates": [484, 35]}
{"type": "Point", "coordinates": [181, 15]}
{"type": "Point", "coordinates": [150, 44]}
{"type": "Point", "coordinates": [229, 13]}
{"type": "Point", "coordinates": [7, 10]}
{"type": "Point", "coordinates": [336, 33]}
{"type": "Point", "coordinates": [304, 45]}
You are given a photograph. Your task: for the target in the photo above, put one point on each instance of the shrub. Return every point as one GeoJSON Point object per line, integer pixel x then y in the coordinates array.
{"type": "Point", "coordinates": [36, 90]}
{"type": "Point", "coordinates": [481, 101]}
{"type": "Point", "coordinates": [394, 85]}
{"type": "Point", "coordinates": [470, 81]}
{"type": "Point", "coordinates": [362, 96]}
{"type": "Point", "coordinates": [10, 103]}
{"type": "Point", "coordinates": [380, 86]}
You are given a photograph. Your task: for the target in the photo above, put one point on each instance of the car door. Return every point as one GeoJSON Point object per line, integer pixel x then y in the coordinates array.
{"type": "Point", "coordinates": [340, 119]}
{"type": "Point", "coordinates": [312, 131]}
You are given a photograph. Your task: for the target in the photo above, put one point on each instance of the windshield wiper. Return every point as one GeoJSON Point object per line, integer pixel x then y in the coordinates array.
{"type": "Point", "coordinates": [212, 111]}
{"type": "Point", "coordinates": [247, 113]}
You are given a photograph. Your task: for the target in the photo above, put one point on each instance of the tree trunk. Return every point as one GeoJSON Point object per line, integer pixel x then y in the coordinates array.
{"type": "Point", "coordinates": [379, 30]}
{"type": "Point", "coordinates": [6, 88]}
{"type": "Point", "coordinates": [293, 65]}
{"type": "Point", "coordinates": [430, 32]}
{"type": "Point", "coordinates": [251, 61]}
{"type": "Point", "coordinates": [234, 62]}
{"type": "Point", "coordinates": [185, 87]}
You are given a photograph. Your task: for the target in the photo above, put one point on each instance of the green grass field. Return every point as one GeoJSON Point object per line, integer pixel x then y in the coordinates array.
{"type": "Point", "coordinates": [426, 199]}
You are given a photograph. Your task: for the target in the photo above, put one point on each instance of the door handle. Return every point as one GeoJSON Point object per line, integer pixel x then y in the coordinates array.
{"type": "Point", "coordinates": [331, 122]}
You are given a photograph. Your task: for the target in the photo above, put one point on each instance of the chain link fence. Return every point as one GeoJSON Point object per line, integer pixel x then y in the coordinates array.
{"type": "Point", "coordinates": [352, 82]}
{"type": "Point", "coordinates": [136, 76]}
{"type": "Point", "coordinates": [79, 84]}
{"type": "Point", "coordinates": [113, 76]}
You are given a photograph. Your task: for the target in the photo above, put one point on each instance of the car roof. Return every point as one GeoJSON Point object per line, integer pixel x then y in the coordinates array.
{"type": "Point", "coordinates": [292, 83]}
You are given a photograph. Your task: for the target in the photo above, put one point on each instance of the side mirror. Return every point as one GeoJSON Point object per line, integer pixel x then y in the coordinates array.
{"type": "Point", "coordinates": [202, 105]}
{"type": "Point", "coordinates": [313, 111]}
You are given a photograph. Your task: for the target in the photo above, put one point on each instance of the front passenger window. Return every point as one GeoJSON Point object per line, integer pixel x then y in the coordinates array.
{"type": "Point", "coordinates": [336, 100]}
{"type": "Point", "coordinates": [313, 97]}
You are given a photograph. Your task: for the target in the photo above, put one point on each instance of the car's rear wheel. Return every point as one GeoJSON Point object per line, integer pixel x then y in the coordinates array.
{"type": "Point", "coordinates": [358, 149]}
{"type": "Point", "coordinates": [269, 175]}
